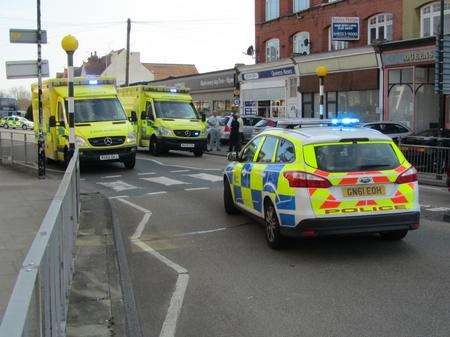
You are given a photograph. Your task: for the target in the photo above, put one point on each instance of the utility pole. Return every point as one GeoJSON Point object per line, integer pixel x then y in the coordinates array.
{"type": "Point", "coordinates": [41, 138]}
{"type": "Point", "coordinates": [441, 69]}
{"type": "Point", "coordinates": [127, 66]}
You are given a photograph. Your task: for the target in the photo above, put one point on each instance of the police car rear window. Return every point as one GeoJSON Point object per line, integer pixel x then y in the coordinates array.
{"type": "Point", "coordinates": [356, 157]}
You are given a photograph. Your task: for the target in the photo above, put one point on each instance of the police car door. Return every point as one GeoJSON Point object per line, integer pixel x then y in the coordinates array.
{"type": "Point", "coordinates": [242, 191]}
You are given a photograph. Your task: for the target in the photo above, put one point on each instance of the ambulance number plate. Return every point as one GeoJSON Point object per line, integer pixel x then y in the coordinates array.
{"type": "Point", "coordinates": [364, 191]}
{"type": "Point", "coordinates": [109, 156]}
{"type": "Point", "coordinates": [188, 145]}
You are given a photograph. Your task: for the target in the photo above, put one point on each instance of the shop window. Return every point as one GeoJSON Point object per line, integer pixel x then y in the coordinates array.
{"type": "Point", "coordinates": [300, 5]}
{"type": "Point", "coordinates": [430, 19]}
{"type": "Point", "coordinates": [301, 43]}
{"type": "Point", "coordinates": [307, 105]}
{"type": "Point", "coordinates": [293, 87]}
{"type": "Point", "coordinates": [272, 50]}
{"type": "Point", "coordinates": [380, 28]}
{"type": "Point", "coordinates": [272, 9]}
{"type": "Point", "coordinates": [358, 104]}
{"type": "Point", "coordinates": [336, 45]}
{"type": "Point", "coordinates": [331, 110]}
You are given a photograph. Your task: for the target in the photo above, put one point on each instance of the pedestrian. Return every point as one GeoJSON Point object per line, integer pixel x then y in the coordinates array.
{"type": "Point", "coordinates": [214, 132]}
{"type": "Point", "coordinates": [241, 128]}
{"type": "Point", "coordinates": [235, 136]}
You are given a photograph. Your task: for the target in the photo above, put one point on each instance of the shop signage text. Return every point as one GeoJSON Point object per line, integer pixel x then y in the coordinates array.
{"type": "Point", "coordinates": [410, 56]}
{"type": "Point", "coordinates": [287, 71]}
{"type": "Point", "coordinates": [223, 80]}
{"type": "Point", "coordinates": [345, 29]}
{"type": "Point", "coordinates": [250, 108]}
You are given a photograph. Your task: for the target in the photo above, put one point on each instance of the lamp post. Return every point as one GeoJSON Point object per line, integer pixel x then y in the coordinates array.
{"type": "Point", "coordinates": [322, 72]}
{"type": "Point", "coordinates": [70, 44]}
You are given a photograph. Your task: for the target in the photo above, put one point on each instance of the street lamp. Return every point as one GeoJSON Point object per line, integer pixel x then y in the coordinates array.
{"type": "Point", "coordinates": [321, 72]}
{"type": "Point", "coordinates": [70, 44]}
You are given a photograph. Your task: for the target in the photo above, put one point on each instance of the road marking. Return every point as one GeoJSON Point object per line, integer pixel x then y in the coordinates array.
{"type": "Point", "coordinates": [82, 179]}
{"type": "Point", "coordinates": [179, 171]}
{"type": "Point", "coordinates": [438, 209]}
{"type": "Point", "coordinates": [112, 177]}
{"type": "Point", "coordinates": [433, 188]}
{"type": "Point", "coordinates": [156, 193]}
{"type": "Point", "coordinates": [179, 166]}
{"type": "Point", "coordinates": [169, 326]}
{"type": "Point", "coordinates": [146, 174]}
{"type": "Point", "coordinates": [164, 181]}
{"type": "Point", "coordinates": [425, 206]}
{"type": "Point", "coordinates": [119, 186]}
{"type": "Point", "coordinates": [205, 176]}
{"type": "Point", "coordinates": [202, 232]}
{"type": "Point", "coordinates": [196, 189]}
{"type": "Point", "coordinates": [119, 197]}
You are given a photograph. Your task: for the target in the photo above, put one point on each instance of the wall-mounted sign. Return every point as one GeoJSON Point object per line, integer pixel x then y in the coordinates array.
{"type": "Point", "coordinates": [409, 56]}
{"type": "Point", "coordinates": [345, 28]}
{"type": "Point", "coordinates": [287, 71]}
{"type": "Point", "coordinates": [25, 69]}
{"type": "Point", "coordinates": [250, 108]}
{"type": "Point", "coordinates": [446, 68]}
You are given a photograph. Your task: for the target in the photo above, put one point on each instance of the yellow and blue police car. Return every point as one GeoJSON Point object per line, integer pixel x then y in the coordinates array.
{"type": "Point", "coordinates": [318, 181]}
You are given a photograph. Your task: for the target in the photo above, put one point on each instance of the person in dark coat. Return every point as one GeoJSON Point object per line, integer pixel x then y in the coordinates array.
{"type": "Point", "coordinates": [235, 136]}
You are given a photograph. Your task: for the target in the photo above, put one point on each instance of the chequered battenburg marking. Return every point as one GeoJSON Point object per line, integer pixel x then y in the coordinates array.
{"type": "Point", "coordinates": [271, 176]}
{"type": "Point", "coordinates": [245, 175]}
{"type": "Point", "coordinates": [238, 194]}
{"type": "Point", "coordinates": [287, 220]}
{"type": "Point", "coordinates": [286, 202]}
{"type": "Point", "coordinates": [257, 200]}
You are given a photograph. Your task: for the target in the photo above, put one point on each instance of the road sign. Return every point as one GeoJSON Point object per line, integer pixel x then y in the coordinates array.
{"type": "Point", "coordinates": [25, 69]}
{"type": "Point", "coordinates": [26, 36]}
{"type": "Point", "coordinates": [237, 101]}
{"type": "Point", "coordinates": [345, 28]}
{"type": "Point", "coordinates": [446, 67]}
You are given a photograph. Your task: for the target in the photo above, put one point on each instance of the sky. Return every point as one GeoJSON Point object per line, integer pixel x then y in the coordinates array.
{"type": "Point", "coordinates": [211, 34]}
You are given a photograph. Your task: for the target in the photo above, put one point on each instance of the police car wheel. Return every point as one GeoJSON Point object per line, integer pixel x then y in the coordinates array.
{"type": "Point", "coordinates": [24, 127]}
{"type": "Point", "coordinates": [394, 235]}
{"type": "Point", "coordinates": [273, 236]}
{"type": "Point", "coordinates": [230, 207]}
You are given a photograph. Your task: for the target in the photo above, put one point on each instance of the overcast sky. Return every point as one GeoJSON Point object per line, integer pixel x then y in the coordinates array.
{"type": "Point", "coordinates": [211, 34]}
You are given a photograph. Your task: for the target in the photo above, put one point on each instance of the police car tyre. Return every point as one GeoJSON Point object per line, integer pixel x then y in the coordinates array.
{"type": "Point", "coordinates": [274, 238]}
{"type": "Point", "coordinates": [230, 207]}
{"type": "Point", "coordinates": [24, 127]}
{"type": "Point", "coordinates": [6, 126]}
{"type": "Point", "coordinates": [393, 235]}
{"type": "Point", "coordinates": [130, 163]}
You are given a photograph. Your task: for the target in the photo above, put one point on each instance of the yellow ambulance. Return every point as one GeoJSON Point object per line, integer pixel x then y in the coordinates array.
{"type": "Point", "coordinates": [102, 129]}
{"type": "Point", "coordinates": [166, 119]}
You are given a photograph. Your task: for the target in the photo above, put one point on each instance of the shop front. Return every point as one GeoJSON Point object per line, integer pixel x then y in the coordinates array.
{"type": "Point", "coordinates": [351, 86]}
{"type": "Point", "coordinates": [213, 91]}
{"type": "Point", "coordinates": [409, 88]}
{"type": "Point", "coordinates": [269, 89]}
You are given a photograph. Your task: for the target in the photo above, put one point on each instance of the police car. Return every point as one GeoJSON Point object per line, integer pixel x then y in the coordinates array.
{"type": "Point", "coordinates": [323, 181]}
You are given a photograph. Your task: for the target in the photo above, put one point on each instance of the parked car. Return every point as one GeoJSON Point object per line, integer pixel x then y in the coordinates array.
{"type": "Point", "coordinates": [17, 122]}
{"type": "Point", "coordinates": [391, 129]}
{"type": "Point", "coordinates": [264, 124]}
{"type": "Point", "coordinates": [250, 123]}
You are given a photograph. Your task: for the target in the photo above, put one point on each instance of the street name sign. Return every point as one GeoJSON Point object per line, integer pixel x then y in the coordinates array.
{"type": "Point", "coordinates": [25, 69]}
{"type": "Point", "coordinates": [26, 36]}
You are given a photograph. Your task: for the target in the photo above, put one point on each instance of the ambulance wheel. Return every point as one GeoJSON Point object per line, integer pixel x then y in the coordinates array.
{"type": "Point", "coordinates": [393, 235]}
{"type": "Point", "coordinates": [230, 207]}
{"type": "Point", "coordinates": [198, 153]}
{"type": "Point", "coordinates": [130, 163]}
{"type": "Point", "coordinates": [273, 235]}
{"type": "Point", "coordinates": [24, 127]}
{"type": "Point", "coordinates": [154, 147]}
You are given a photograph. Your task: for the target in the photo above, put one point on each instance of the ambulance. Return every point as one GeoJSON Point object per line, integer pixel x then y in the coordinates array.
{"type": "Point", "coordinates": [319, 181]}
{"type": "Point", "coordinates": [102, 130]}
{"type": "Point", "coordinates": [166, 119]}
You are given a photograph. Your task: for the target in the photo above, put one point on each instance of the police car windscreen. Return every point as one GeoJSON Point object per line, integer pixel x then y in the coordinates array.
{"type": "Point", "coordinates": [98, 110]}
{"type": "Point", "coordinates": [176, 110]}
{"type": "Point", "coordinates": [356, 157]}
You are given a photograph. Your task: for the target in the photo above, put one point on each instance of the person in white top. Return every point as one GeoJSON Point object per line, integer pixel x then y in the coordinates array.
{"type": "Point", "coordinates": [214, 132]}
{"type": "Point", "coordinates": [241, 128]}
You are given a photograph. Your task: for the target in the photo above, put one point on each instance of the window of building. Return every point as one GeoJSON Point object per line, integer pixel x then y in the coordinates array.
{"type": "Point", "coordinates": [430, 19]}
{"type": "Point", "coordinates": [336, 45]}
{"type": "Point", "coordinates": [272, 9]}
{"type": "Point", "coordinates": [272, 50]}
{"type": "Point", "coordinates": [331, 109]}
{"type": "Point", "coordinates": [300, 5]}
{"type": "Point", "coordinates": [380, 27]}
{"type": "Point", "coordinates": [307, 105]}
{"type": "Point", "coordinates": [293, 84]}
{"type": "Point", "coordinates": [358, 104]}
{"type": "Point", "coordinates": [301, 43]}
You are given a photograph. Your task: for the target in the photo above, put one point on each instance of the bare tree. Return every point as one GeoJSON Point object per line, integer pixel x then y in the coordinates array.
{"type": "Point", "coordinates": [22, 95]}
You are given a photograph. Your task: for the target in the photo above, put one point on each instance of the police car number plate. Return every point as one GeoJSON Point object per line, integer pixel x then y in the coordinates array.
{"type": "Point", "coordinates": [188, 145]}
{"type": "Point", "coordinates": [364, 191]}
{"type": "Point", "coordinates": [109, 156]}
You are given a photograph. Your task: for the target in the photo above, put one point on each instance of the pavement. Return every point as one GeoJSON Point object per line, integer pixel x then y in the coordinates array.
{"type": "Point", "coordinates": [24, 200]}
{"type": "Point", "coordinates": [196, 271]}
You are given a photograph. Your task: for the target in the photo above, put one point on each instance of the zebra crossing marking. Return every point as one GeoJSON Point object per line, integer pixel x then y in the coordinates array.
{"type": "Point", "coordinates": [165, 181]}
{"type": "Point", "coordinates": [206, 176]}
{"type": "Point", "coordinates": [118, 186]}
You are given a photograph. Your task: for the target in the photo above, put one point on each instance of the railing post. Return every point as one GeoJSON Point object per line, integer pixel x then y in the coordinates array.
{"type": "Point", "coordinates": [1, 147]}
{"type": "Point", "coordinates": [25, 148]}
{"type": "Point", "coordinates": [12, 148]}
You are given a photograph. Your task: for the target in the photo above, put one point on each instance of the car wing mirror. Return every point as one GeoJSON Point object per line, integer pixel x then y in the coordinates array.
{"type": "Point", "coordinates": [232, 156]}
{"type": "Point", "coordinates": [203, 117]}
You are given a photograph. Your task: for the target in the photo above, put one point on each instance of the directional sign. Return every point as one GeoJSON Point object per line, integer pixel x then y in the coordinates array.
{"type": "Point", "coordinates": [25, 69]}
{"type": "Point", "coordinates": [446, 68]}
{"type": "Point", "coordinates": [237, 101]}
{"type": "Point", "coordinates": [26, 36]}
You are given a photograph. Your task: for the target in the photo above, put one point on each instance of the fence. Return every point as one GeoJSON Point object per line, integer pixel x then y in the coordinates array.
{"type": "Point", "coordinates": [18, 148]}
{"type": "Point", "coordinates": [39, 301]}
{"type": "Point", "coordinates": [431, 162]}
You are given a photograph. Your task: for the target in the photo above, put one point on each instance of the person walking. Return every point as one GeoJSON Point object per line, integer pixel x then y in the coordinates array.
{"type": "Point", "coordinates": [241, 129]}
{"type": "Point", "coordinates": [214, 132]}
{"type": "Point", "coordinates": [235, 136]}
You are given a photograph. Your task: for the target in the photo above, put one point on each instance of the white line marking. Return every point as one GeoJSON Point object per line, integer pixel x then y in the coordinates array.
{"type": "Point", "coordinates": [119, 186]}
{"type": "Point", "coordinates": [197, 189]}
{"type": "Point", "coordinates": [146, 174]}
{"type": "Point", "coordinates": [82, 179]}
{"type": "Point", "coordinates": [205, 176]}
{"type": "Point", "coordinates": [179, 171]}
{"type": "Point", "coordinates": [202, 232]}
{"type": "Point", "coordinates": [179, 166]}
{"type": "Point", "coordinates": [438, 209]}
{"type": "Point", "coordinates": [425, 206]}
{"type": "Point", "coordinates": [169, 326]}
{"type": "Point", "coordinates": [119, 197]}
{"type": "Point", "coordinates": [165, 181]}
{"type": "Point", "coordinates": [112, 177]}
{"type": "Point", "coordinates": [156, 193]}
{"type": "Point", "coordinates": [433, 188]}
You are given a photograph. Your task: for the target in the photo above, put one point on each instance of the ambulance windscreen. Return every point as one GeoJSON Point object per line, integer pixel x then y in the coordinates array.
{"type": "Point", "coordinates": [98, 110]}
{"type": "Point", "coordinates": [175, 110]}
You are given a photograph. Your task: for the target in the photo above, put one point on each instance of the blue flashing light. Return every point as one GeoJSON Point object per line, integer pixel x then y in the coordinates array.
{"type": "Point", "coordinates": [335, 121]}
{"type": "Point", "coordinates": [93, 82]}
{"type": "Point", "coordinates": [173, 90]}
{"type": "Point", "coordinates": [345, 121]}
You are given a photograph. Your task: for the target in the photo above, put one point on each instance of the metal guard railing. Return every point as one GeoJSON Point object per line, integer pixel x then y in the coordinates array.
{"type": "Point", "coordinates": [18, 148]}
{"type": "Point", "coordinates": [39, 302]}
